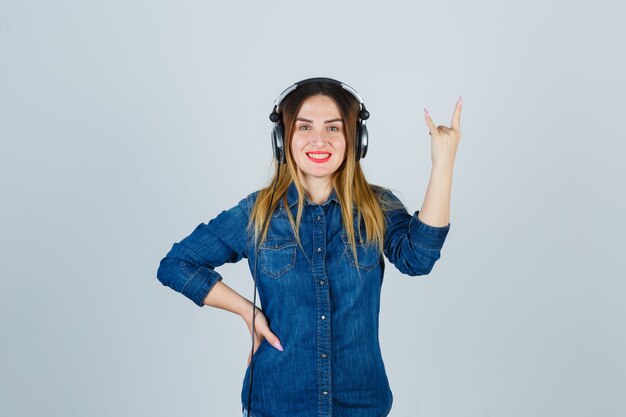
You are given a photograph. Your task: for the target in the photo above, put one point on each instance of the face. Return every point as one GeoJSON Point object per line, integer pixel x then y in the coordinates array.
{"type": "Point", "coordinates": [318, 144]}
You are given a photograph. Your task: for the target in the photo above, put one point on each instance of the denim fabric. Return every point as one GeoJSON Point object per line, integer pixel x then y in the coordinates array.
{"type": "Point", "coordinates": [322, 307]}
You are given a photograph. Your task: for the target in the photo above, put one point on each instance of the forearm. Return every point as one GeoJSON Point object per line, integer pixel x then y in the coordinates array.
{"type": "Point", "coordinates": [224, 297]}
{"type": "Point", "coordinates": [435, 210]}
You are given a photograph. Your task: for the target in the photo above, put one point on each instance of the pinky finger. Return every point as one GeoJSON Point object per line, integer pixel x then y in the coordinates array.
{"type": "Point", "coordinates": [429, 122]}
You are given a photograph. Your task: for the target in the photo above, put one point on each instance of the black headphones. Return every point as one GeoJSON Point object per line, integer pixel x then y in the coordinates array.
{"type": "Point", "coordinates": [278, 132]}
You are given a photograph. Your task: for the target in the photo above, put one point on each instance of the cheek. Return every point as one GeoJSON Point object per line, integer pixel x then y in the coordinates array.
{"type": "Point", "coordinates": [341, 146]}
{"type": "Point", "coordinates": [294, 147]}
{"type": "Point", "coordinates": [296, 142]}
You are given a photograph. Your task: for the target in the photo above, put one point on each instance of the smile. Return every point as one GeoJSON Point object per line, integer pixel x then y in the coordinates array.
{"type": "Point", "coordinates": [318, 157]}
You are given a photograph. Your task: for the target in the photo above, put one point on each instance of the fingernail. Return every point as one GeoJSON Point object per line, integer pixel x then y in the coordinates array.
{"type": "Point", "coordinates": [426, 112]}
{"type": "Point", "coordinates": [460, 99]}
{"type": "Point", "coordinates": [278, 346]}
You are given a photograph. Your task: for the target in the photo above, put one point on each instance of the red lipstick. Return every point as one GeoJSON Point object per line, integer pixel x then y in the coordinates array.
{"type": "Point", "coordinates": [318, 160]}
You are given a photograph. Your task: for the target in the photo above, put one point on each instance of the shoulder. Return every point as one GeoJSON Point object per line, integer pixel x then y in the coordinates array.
{"type": "Point", "coordinates": [247, 203]}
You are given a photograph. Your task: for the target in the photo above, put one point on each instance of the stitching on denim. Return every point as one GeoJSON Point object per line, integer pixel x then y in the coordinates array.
{"type": "Point", "coordinates": [183, 266]}
{"type": "Point", "coordinates": [267, 249]}
{"type": "Point", "coordinates": [275, 243]}
{"type": "Point", "coordinates": [191, 276]}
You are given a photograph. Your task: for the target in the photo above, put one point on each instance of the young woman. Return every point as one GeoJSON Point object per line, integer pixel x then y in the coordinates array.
{"type": "Point", "coordinates": [318, 236]}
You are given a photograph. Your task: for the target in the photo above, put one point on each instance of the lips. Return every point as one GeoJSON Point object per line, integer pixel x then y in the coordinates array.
{"type": "Point", "coordinates": [317, 157]}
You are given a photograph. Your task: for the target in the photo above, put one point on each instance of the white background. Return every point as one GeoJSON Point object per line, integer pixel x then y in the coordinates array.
{"type": "Point", "coordinates": [124, 124]}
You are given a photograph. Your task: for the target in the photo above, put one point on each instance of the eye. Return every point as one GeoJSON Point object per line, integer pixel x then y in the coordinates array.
{"type": "Point", "coordinates": [304, 127]}
{"type": "Point", "coordinates": [334, 128]}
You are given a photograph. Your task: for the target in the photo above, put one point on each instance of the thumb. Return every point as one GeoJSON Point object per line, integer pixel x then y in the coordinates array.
{"type": "Point", "coordinates": [273, 340]}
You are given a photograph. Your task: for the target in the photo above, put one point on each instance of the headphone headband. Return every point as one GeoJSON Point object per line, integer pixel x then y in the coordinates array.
{"type": "Point", "coordinates": [318, 79]}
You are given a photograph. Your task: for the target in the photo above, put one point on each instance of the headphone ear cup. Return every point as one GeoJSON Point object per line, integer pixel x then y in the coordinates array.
{"type": "Point", "coordinates": [363, 139]}
{"type": "Point", "coordinates": [278, 147]}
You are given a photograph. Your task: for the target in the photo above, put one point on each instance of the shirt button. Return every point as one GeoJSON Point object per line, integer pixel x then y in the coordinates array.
{"type": "Point", "coordinates": [325, 392]}
{"type": "Point", "coordinates": [323, 317]}
{"type": "Point", "coordinates": [318, 218]}
{"type": "Point", "coordinates": [323, 355]}
{"type": "Point", "coordinates": [322, 282]}
{"type": "Point", "coordinates": [319, 249]}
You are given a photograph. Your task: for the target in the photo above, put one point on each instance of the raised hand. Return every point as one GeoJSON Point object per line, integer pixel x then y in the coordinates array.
{"type": "Point", "coordinates": [444, 139]}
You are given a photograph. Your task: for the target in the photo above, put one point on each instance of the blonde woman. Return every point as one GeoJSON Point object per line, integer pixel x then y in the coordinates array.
{"type": "Point", "coordinates": [315, 240]}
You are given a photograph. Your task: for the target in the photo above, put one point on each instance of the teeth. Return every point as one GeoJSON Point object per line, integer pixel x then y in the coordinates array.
{"type": "Point", "coordinates": [319, 155]}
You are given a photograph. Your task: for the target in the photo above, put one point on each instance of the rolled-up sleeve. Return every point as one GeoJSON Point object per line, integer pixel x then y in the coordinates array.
{"type": "Point", "coordinates": [411, 245]}
{"type": "Point", "coordinates": [188, 267]}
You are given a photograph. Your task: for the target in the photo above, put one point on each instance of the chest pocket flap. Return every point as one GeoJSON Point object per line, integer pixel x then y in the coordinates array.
{"type": "Point", "coordinates": [277, 256]}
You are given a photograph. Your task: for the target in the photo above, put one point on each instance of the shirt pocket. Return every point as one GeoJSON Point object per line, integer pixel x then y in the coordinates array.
{"type": "Point", "coordinates": [369, 258]}
{"type": "Point", "coordinates": [277, 256]}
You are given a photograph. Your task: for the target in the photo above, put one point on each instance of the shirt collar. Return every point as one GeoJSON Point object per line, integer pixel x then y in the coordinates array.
{"type": "Point", "coordinates": [292, 196]}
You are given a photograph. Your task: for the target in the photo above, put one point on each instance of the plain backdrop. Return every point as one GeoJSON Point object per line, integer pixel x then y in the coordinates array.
{"type": "Point", "coordinates": [125, 124]}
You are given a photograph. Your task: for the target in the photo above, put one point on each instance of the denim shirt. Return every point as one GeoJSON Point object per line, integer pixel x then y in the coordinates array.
{"type": "Point", "coordinates": [321, 306]}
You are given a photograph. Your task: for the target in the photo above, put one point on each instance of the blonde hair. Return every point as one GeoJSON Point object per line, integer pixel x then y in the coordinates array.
{"type": "Point", "coordinates": [348, 181]}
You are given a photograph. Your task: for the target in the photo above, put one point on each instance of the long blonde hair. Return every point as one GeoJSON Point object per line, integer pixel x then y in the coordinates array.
{"type": "Point", "coordinates": [348, 181]}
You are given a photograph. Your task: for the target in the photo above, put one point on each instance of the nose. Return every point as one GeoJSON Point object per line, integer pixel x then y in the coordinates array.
{"type": "Point", "coordinates": [317, 138]}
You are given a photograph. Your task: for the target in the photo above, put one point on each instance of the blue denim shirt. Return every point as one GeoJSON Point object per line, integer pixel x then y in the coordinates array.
{"type": "Point", "coordinates": [322, 308]}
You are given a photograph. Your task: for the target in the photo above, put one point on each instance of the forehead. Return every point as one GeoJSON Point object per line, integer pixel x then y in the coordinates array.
{"type": "Point", "coordinates": [319, 105]}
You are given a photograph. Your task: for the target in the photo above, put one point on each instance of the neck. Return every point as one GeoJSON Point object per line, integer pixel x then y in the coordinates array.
{"type": "Point", "coordinates": [317, 189]}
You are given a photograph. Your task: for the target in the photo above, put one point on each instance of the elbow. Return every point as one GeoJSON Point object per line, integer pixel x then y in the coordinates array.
{"type": "Point", "coordinates": [166, 273]}
{"type": "Point", "coordinates": [415, 272]}
{"type": "Point", "coordinates": [421, 265]}
{"type": "Point", "coordinates": [426, 269]}
{"type": "Point", "coordinates": [192, 281]}
{"type": "Point", "coordinates": [414, 259]}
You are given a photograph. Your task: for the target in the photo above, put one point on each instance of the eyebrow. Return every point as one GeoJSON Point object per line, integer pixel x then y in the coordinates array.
{"type": "Point", "coordinates": [327, 121]}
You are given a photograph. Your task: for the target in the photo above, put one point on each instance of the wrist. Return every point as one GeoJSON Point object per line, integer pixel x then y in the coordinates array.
{"type": "Point", "coordinates": [246, 311]}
